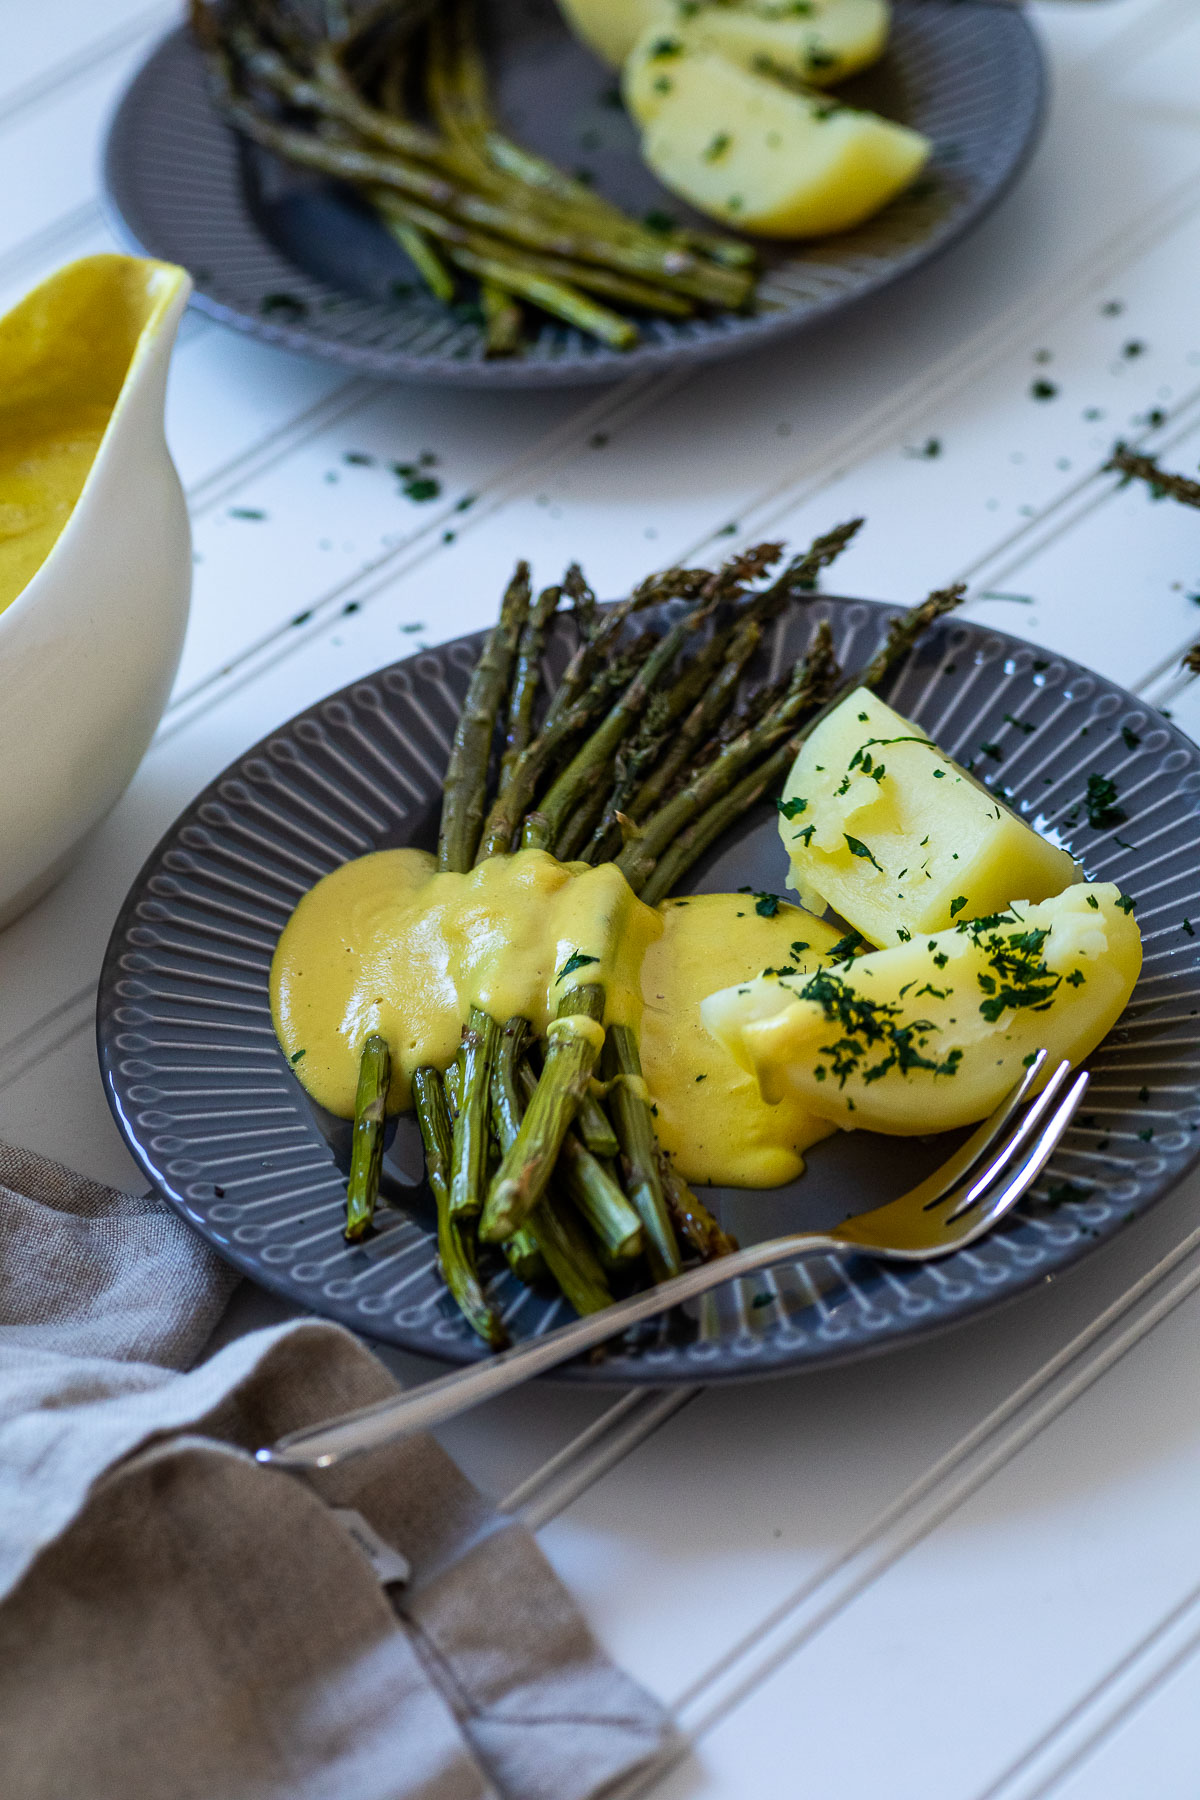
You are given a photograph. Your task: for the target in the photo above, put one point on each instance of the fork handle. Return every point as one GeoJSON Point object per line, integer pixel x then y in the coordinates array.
{"type": "Point", "coordinates": [431, 1404]}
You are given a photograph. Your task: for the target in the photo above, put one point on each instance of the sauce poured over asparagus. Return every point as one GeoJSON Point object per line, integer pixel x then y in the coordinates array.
{"type": "Point", "coordinates": [388, 945]}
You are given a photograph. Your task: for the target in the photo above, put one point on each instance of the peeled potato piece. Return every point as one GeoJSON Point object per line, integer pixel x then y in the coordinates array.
{"type": "Point", "coordinates": [609, 27]}
{"type": "Point", "coordinates": [818, 46]}
{"type": "Point", "coordinates": [896, 837]}
{"type": "Point", "coordinates": [752, 153]}
{"type": "Point", "coordinates": [933, 1034]}
{"type": "Point", "coordinates": [819, 42]}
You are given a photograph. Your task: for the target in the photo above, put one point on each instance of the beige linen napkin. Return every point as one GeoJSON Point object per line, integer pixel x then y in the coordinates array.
{"type": "Point", "coordinates": [178, 1623]}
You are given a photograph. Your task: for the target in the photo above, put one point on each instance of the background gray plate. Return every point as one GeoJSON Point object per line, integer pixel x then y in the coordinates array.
{"type": "Point", "coordinates": [298, 261]}
{"type": "Point", "coordinates": [212, 1112]}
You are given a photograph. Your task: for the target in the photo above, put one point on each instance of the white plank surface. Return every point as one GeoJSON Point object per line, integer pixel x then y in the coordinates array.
{"type": "Point", "coordinates": [967, 1572]}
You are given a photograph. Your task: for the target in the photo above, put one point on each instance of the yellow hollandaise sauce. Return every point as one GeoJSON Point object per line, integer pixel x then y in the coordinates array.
{"type": "Point", "coordinates": [65, 353]}
{"type": "Point", "coordinates": [712, 1117]}
{"type": "Point", "coordinates": [387, 944]}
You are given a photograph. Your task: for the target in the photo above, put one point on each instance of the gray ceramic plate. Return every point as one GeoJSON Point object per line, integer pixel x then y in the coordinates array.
{"type": "Point", "coordinates": [215, 1117]}
{"type": "Point", "coordinates": [294, 259]}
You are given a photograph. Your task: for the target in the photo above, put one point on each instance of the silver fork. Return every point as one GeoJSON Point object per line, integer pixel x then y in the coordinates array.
{"type": "Point", "coordinates": [961, 1200]}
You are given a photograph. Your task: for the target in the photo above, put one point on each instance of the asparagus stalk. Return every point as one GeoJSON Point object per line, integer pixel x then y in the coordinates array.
{"type": "Point", "coordinates": [598, 644]}
{"type": "Point", "coordinates": [695, 729]}
{"type": "Point", "coordinates": [366, 1155]}
{"type": "Point", "coordinates": [580, 775]}
{"type": "Point", "coordinates": [470, 1141]}
{"type": "Point", "coordinates": [502, 320]}
{"type": "Point", "coordinates": [527, 678]}
{"type": "Point", "coordinates": [631, 1104]}
{"type": "Point", "coordinates": [464, 789]}
{"type": "Point", "coordinates": [595, 1127]}
{"type": "Point", "coordinates": [594, 1193]}
{"type": "Point", "coordinates": [634, 291]}
{"type": "Point", "coordinates": [810, 684]}
{"type": "Point", "coordinates": [567, 1253]}
{"type": "Point", "coordinates": [691, 1218]}
{"type": "Point", "coordinates": [523, 1254]}
{"type": "Point", "coordinates": [455, 1248]}
{"type": "Point", "coordinates": [575, 1038]}
{"type": "Point", "coordinates": [421, 253]}
{"type": "Point", "coordinates": [519, 785]}
{"type": "Point", "coordinates": [704, 829]}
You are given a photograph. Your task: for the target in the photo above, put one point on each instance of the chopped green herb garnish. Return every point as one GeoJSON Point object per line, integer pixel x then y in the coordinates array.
{"type": "Point", "coordinates": [791, 809]}
{"type": "Point", "coordinates": [1064, 1193]}
{"type": "Point", "coordinates": [577, 960]}
{"type": "Point", "coordinates": [957, 904]}
{"type": "Point", "coordinates": [766, 905]}
{"type": "Point", "coordinates": [1101, 803]}
{"type": "Point", "coordinates": [296, 1057]}
{"type": "Point", "coordinates": [856, 847]}
{"type": "Point", "coordinates": [866, 1027]}
{"type": "Point", "coordinates": [288, 306]}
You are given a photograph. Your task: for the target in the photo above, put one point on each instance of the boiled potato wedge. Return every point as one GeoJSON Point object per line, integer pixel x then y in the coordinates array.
{"type": "Point", "coordinates": [752, 152]}
{"type": "Point", "coordinates": [820, 42]}
{"type": "Point", "coordinates": [932, 1035]}
{"type": "Point", "coordinates": [610, 28]}
{"type": "Point", "coordinates": [896, 837]}
{"type": "Point", "coordinates": [818, 45]}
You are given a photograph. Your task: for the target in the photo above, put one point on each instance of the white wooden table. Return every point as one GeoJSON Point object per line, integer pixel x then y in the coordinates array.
{"type": "Point", "coordinates": [971, 1569]}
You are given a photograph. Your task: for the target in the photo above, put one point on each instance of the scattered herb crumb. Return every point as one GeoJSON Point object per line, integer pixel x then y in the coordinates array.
{"type": "Point", "coordinates": [1100, 802]}
{"type": "Point", "coordinates": [287, 306]}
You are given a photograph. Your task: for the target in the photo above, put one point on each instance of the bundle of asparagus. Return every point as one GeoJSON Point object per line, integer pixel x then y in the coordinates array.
{"type": "Point", "coordinates": [650, 746]}
{"type": "Point", "coordinates": [329, 87]}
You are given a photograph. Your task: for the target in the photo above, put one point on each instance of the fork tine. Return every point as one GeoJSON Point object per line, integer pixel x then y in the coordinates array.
{"type": "Point", "coordinates": [1006, 1197]}
{"type": "Point", "coordinates": [1014, 1142]}
{"type": "Point", "coordinates": [955, 1170]}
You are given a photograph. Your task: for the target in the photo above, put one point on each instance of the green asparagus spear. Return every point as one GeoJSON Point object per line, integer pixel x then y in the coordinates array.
{"type": "Point", "coordinates": [527, 678]}
{"type": "Point", "coordinates": [595, 1127]}
{"type": "Point", "coordinates": [631, 1105]}
{"type": "Point", "coordinates": [690, 1217]}
{"type": "Point", "coordinates": [575, 1038]}
{"type": "Point", "coordinates": [471, 1127]}
{"type": "Point", "coordinates": [366, 1157]}
{"type": "Point", "coordinates": [502, 320]}
{"type": "Point", "coordinates": [813, 680]}
{"type": "Point", "coordinates": [696, 837]}
{"type": "Point", "coordinates": [455, 1248]}
{"type": "Point", "coordinates": [566, 1251]}
{"type": "Point", "coordinates": [464, 788]}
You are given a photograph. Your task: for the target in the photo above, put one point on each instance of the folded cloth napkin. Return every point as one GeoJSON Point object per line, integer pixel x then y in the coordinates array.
{"type": "Point", "coordinates": [179, 1623]}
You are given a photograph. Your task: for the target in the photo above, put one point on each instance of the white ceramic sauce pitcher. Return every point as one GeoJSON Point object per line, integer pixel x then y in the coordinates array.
{"type": "Point", "coordinates": [89, 647]}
